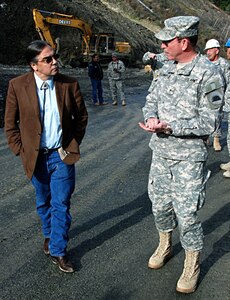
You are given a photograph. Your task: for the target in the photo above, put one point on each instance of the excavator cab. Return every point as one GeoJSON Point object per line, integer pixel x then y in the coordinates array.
{"type": "Point", "coordinates": [102, 43]}
{"type": "Point", "coordinates": [105, 44]}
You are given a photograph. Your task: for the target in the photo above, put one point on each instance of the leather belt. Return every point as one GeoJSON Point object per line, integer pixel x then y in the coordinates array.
{"type": "Point", "coordinates": [47, 151]}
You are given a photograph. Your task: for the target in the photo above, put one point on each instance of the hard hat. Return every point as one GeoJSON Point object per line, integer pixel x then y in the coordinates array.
{"type": "Point", "coordinates": [212, 44]}
{"type": "Point", "coordinates": [228, 43]}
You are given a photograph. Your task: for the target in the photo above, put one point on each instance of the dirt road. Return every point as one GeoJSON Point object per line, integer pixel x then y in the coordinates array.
{"type": "Point", "coordinates": [112, 233]}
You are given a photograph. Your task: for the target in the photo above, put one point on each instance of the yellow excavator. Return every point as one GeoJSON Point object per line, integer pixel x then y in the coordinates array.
{"type": "Point", "coordinates": [101, 43]}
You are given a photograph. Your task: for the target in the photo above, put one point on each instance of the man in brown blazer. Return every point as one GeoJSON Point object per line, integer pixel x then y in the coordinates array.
{"type": "Point", "coordinates": [45, 122]}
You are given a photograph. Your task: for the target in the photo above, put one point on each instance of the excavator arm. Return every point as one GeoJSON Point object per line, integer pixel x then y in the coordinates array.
{"type": "Point", "coordinates": [102, 43]}
{"type": "Point", "coordinates": [43, 27]}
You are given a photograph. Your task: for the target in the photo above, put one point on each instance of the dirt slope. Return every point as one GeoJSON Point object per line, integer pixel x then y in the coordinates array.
{"type": "Point", "coordinates": [127, 18]}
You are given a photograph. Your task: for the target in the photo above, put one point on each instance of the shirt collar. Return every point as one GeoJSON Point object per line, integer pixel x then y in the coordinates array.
{"type": "Point", "coordinates": [39, 82]}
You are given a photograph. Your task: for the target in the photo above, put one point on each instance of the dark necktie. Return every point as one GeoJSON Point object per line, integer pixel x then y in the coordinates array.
{"type": "Point", "coordinates": [44, 87]}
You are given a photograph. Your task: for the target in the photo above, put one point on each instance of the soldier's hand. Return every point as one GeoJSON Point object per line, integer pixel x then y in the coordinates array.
{"type": "Point", "coordinates": [150, 125]}
{"type": "Point", "coordinates": [155, 125]}
{"type": "Point", "coordinates": [143, 126]}
{"type": "Point", "coordinates": [152, 55]}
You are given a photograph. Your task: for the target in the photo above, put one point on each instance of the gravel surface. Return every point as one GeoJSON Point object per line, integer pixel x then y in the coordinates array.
{"type": "Point", "coordinates": [112, 234]}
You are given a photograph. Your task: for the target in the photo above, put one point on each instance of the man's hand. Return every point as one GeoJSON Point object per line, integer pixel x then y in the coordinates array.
{"type": "Point", "coordinates": [152, 55]}
{"type": "Point", "coordinates": [154, 125]}
{"type": "Point", "coordinates": [151, 124]}
{"type": "Point", "coordinates": [142, 125]}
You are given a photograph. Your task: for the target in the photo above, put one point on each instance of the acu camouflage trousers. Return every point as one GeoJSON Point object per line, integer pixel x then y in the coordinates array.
{"type": "Point", "coordinates": [228, 134]}
{"type": "Point", "coordinates": [117, 89]}
{"type": "Point", "coordinates": [177, 191]}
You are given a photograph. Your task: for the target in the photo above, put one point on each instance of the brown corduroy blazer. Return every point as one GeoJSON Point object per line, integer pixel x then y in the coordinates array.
{"type": "Point", "coordinates": [22, 117]}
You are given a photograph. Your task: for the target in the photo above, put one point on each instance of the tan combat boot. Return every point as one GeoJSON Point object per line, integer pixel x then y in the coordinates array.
{"type": "Point", "coordinates": [226, 174]}
{"type": "Point", "coordinates": [225, 167]}
{"type": "Point", "coordinates": [123, 103]}
{"type": "Point", "coordinates": [188, 280]}
{"type": "Point", "coordinates": [216, 143]}
{"type": "Point", "coordinates": [163, 252]}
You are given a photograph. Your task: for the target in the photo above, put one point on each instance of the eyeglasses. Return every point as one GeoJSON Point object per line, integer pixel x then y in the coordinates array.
{"type": "Point", "coordinates": [49, 59]}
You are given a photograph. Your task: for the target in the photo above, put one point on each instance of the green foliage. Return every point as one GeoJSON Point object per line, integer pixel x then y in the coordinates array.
{"type": "Point", "coordinates": [223, 4]}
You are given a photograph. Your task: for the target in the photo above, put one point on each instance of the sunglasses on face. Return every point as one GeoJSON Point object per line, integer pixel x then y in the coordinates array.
{"type": "Point", "coordinates": [167, 42]}
{"type": "Point", "coordinates": [49, 59]}
{"type": "Point", "coordinates": [170, 41]}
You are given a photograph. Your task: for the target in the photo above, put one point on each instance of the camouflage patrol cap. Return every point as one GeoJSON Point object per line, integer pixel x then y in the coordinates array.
{"type": "Point", "coordinates": [181, 27]}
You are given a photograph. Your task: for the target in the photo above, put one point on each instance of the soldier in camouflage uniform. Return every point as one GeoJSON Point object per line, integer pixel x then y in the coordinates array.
{"type": "Point", "coordinates": [181, 112]}
{"type": "Point", "coordinates": [212, 49]}
{"type": "Point", "coordinates": [115, 72]}
{"type": "Point", "coordinates": [156, 61]}
{"type": "Point", "coordinates": [226, 166]}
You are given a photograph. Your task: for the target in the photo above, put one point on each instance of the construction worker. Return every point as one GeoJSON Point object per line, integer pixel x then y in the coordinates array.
{"type": "Point", "coordinates": [181, 113]}
{"type": "Point", "coordinates": [212, 49]}
{"type": "Point", "coordinates": [226, 166]}
{"type": "Point", "coordinates": [227, 45]}
{"type": "Point", "coordinates": [95, 73]}
{"type": "Point", "coordinates": [115, 72]}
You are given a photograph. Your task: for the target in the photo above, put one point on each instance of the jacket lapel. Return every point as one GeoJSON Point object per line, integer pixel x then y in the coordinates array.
{"type": "Point", "coordinates": [60, 92]}
{"type": "Point", "coordinates": [31, 90]}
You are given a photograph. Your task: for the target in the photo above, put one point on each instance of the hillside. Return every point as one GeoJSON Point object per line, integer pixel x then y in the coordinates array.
{"type": "Point", "coordinates": [128, 19]}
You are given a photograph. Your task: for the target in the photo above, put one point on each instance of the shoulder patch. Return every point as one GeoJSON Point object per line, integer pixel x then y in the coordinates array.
{"type": "Point", "coordinates": [212, 86]}
{"type": "Point", "coordinates": [215, 99]}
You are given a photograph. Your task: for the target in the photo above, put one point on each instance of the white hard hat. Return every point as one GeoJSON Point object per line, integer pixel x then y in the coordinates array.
{"type": "Point", "coordinates": [212, 44]}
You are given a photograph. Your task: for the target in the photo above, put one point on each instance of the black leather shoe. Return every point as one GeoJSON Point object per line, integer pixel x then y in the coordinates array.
{"type": "Point", "coordinates": [46, 246]}
{"type": "Point", "coordinates": [63, 263]}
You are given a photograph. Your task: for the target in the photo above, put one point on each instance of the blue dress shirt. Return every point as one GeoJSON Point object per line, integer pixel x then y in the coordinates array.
{"type": "Point", "coordinates": [52, 132]}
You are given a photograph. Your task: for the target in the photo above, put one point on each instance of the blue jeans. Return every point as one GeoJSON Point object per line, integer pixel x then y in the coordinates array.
{"type": "Point", "coordinates": [54, 183]}
{"type": "Point", "coordinates": [97, 92]}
